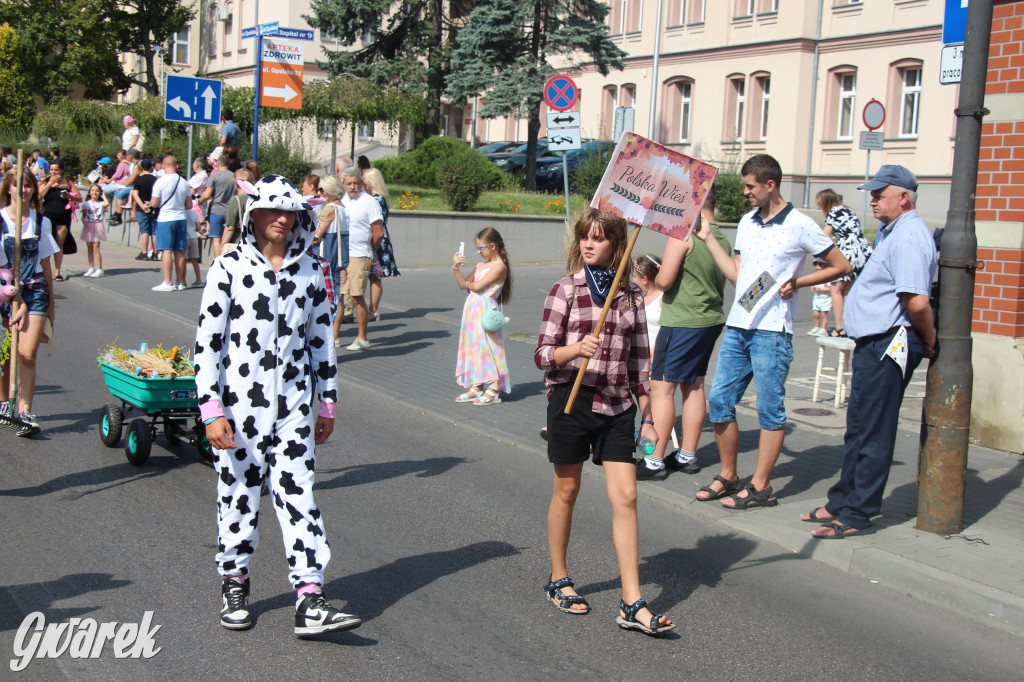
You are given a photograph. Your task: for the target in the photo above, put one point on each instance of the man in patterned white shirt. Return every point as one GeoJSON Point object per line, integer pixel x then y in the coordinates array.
{"type": "Point", "coordinates": [772, 242]}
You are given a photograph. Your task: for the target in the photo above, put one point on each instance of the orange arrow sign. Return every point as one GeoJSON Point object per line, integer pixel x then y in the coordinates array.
{"type": "Point", "coordinates": [281, 75]}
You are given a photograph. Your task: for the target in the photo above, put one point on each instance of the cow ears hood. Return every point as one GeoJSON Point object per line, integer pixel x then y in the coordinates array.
{"type": "Point", "coordinates": [275, 191]}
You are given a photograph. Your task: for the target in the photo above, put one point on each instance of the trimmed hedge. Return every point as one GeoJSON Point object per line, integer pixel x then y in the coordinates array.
{"type": "Point", "coordinates": [420, 167]}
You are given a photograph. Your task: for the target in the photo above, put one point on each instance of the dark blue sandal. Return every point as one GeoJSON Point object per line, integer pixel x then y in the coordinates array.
{"type": "Point", "coordinates": [631, 623]}
{"type": "Point", "coordinates": [563, 602]}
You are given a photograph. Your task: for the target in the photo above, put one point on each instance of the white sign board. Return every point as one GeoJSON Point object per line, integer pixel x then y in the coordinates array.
{"type": "Point", "coordinates": [950, 64]}
{"type": "Point", "coordinates": [282, 52]}
{"type": "Point", "coordinates": [872, 140]}
{"type": "Point", "coordinates": [563, 119]}
{"type": "Point", "coordinates": [623, 121]}
{"type": "Point", "coordinates": [563, 139]}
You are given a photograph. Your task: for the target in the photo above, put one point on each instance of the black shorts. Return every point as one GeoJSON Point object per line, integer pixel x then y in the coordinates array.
{"type": "Point", "coordinates": [572, 437]}
{"type": "Point", "coordinates": [682, 354]}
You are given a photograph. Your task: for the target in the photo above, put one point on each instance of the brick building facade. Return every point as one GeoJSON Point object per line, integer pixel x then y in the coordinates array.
{"type": "Point", "coordinates": [997, 417]}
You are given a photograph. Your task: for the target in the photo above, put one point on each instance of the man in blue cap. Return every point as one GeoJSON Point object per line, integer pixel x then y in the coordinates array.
{"type": "Point", "coordinates": [889, 315]}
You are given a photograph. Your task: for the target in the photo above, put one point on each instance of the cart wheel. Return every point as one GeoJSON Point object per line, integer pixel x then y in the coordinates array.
{"type": "Point", "coordinates": [202, 445]}
{"type": "Point", "coordinates": [139, 442]}
{"type": "Point", "coordinates": [111, 423]}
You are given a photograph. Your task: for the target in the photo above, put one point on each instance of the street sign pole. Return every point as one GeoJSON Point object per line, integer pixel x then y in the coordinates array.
{"type": "Point", "coordinates": [873, 116]}
{"type": "Point", "coordinates": [867, 176]}
{"type": "Point", "coordinates": [191, 126]}
{"type": "Point", "coordinates": [565, 181]}
{"type": "Point", "coordinates": [256, 103]}
{"type": "Point", "coordinates": [256, 98]}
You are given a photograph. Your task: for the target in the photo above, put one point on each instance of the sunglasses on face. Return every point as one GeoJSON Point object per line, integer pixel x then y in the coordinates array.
{"type": "Point", "coordinates": [480, 249]}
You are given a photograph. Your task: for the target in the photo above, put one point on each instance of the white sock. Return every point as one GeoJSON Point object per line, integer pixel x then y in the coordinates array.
{"type": "Point", "coordinates": [683, 457]}
{"type": "Point", "coordinates": [653, 462]}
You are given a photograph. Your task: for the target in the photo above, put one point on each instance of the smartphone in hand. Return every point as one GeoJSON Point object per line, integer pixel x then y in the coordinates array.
{"type": "Point", "coordinates": [462, 248]}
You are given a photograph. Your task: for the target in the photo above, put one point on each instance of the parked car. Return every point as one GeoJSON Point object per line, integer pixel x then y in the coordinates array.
{"type": "Point", "coordinates": [549, 168]}
{"type": "Point", "coordinates": [514, 161]}
{"type": "Point", "coordinates": [497, 147]}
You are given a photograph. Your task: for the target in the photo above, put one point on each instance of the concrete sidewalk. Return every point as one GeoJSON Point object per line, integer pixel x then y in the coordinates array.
{"type": "Point", "coordinates": [979, 573]}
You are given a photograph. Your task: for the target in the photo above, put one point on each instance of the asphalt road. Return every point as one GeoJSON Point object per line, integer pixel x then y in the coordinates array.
{"type": "Point", "coordinates": [439, 544]}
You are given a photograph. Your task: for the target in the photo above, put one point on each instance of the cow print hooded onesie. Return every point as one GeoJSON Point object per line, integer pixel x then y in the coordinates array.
{"type": "Point", "coordinates": [263, 348]}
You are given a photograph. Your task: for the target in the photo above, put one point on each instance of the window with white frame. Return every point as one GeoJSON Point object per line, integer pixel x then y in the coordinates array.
{"type": "Point", "coordinates": [180, 50]}
{"type": "Point", "coordinates": [229, 28]}
{"type": "Point", "coordinates": [691, 12]}
{"type": "Point", "coordinates": [847, 99]}
{"type": "Point", "coordinates": [765, 82]}
{"type": "Point", "coordinates": [685, 107]}
{"type": "Point", "coordinates": [744, 8]}
{"type": "Point", "coordinates": [739, 97]}
{"type": "Point", "coordinates": [370, 35]}
{"type": "Point", "coordinates": [910, 101]}
{"type": "Point", "coordinates": [325, 128]}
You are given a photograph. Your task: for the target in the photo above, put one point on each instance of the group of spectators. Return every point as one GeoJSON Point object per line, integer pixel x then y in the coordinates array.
{"type": "Point", "coordinates": [887, 312]}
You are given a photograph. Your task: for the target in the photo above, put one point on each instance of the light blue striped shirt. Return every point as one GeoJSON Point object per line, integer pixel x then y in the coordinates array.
{"type": "Point", "coordinates": [904, 261]}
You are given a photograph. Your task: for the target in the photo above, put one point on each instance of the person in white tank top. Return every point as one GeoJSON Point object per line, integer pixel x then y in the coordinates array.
{"type": "Point", "coordinates": [645, 269]}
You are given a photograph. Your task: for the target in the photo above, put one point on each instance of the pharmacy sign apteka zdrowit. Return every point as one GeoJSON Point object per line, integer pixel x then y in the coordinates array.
{"type": "Point", "coordinates": [281, 71]}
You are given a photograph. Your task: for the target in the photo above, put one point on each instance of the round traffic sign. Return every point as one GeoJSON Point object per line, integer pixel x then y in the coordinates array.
{"type": "Point", "coordinates": [874, 115]}
{"type": "Point", "coordinates": [561, 93]}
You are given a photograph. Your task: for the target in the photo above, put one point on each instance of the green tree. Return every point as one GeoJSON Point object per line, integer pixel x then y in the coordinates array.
{"type": "Point", "coordinates": [139, 26]}
{"type": "Point", "coordinates": [403, 46]}
{"type": "Point", "coordinates": [505, 48]}
{"type": "Point", "coordinates": [16, 110]}
{"type": "Point", "coordinates": [62, 42]}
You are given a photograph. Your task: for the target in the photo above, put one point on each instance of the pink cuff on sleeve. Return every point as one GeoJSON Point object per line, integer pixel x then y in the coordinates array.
{"type": "Point", "coordinates": [211, 409]}
{"type": "Point", "coordinates": [327, 410]}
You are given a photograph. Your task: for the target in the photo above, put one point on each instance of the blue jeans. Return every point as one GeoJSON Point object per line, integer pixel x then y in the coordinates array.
{"type": "Point", "coordinates": [147, 222]}
{"type": "Point", "coordinates": [171, 235]}
{"type": "Point", "coordinates": [872, 420]}
{"type": "Point", "coordinates": [752, 354]}
{"type": "Point", "coordinates": [217, 225]}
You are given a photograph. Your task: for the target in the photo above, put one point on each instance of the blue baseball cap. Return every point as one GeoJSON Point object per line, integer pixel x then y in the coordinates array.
{"type": "Point", "coordinates": [891, 175]}
{"type": "Point", "coordinates": [105, 161]}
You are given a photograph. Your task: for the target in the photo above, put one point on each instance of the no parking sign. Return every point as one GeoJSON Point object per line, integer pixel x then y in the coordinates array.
{"type": "Point", "coordinates": [561, 93]}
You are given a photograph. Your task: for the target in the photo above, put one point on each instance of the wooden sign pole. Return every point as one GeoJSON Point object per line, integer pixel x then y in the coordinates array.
{"type": "Point", "coordinates": [624, 267]}
{"type": "Point", "coordinates": [19, 209]}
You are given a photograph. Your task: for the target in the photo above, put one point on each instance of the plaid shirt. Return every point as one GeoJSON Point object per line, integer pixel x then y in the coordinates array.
{"type": "Point", "coordinates": [622, 363]}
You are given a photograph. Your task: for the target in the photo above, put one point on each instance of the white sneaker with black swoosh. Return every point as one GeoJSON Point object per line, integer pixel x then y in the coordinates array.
{"type": "Point", "coordinates": [314, 616]}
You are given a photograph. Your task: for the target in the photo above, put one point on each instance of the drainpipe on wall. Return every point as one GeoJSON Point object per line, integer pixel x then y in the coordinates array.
{"type": "Point", "coordinates": [651, 130]}
{"type": "Point", "coordinates": [814, 103]}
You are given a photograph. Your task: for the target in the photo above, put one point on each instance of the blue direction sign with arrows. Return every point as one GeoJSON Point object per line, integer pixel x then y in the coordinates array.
{"type": "Point", "coordinates": [192, 100]}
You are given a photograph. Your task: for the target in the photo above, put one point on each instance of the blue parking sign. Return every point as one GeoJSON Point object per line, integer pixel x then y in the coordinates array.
{"type": "Point", "coordinates": [192, 100]}
{"type": "Point", "coordinates": [954, 22]}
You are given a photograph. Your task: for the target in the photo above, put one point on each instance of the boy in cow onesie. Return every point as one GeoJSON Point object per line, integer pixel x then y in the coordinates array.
{"type": "Point", "coordinates": [263, 349]}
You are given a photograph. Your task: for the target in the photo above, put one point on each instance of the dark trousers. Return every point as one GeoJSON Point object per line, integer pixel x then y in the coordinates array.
{"type": "Point", "coordinates": [872, 417]}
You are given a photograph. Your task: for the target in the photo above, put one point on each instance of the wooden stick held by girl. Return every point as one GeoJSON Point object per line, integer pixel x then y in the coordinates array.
{"type": "Point", "coordinates": [615, 387]}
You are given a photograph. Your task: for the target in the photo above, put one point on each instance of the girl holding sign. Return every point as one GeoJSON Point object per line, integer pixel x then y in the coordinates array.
{"type": "Point", "coordinates": [602, 416]}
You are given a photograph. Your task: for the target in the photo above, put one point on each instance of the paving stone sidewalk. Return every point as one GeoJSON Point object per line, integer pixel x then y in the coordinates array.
{"type": "Point", "coordinates": [979, 572]}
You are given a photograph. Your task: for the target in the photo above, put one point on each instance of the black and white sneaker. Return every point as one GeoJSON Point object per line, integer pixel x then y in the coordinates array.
{"type": "Point", "coordinates": [313, 616]}
{"type": "Point", "coordinates": [672, 463]}
{"type": "Point", "coordinates": [234, 615]}
{"type": "Point", "coordinates": [31, 425]}
{"type": "Point", "coordinates": [646, 473]}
